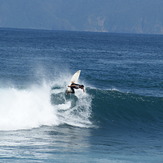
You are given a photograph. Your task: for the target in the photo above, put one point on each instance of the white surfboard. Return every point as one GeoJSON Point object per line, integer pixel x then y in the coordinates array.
{"type": "Point", "coordinates": [74, 79]}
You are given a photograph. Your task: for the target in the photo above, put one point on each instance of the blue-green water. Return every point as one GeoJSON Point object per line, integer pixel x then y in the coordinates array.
{"type": "Point", "coordinates": [119, 119]}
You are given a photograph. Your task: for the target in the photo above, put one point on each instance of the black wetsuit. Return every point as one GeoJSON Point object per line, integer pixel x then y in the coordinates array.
{"type": "Point", "coordinates": [74, 86]}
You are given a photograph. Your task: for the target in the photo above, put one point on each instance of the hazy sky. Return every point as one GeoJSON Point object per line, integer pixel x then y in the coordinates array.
{"type": "Point", "coordinates": [131, 16]}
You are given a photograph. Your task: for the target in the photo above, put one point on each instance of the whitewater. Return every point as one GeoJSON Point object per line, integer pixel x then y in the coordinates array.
{"type": "Point", "coordinates": [32, 107]}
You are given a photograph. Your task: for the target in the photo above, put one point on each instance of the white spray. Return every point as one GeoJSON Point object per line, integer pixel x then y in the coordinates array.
{"type": "Point", "coordinates": [32, 107]}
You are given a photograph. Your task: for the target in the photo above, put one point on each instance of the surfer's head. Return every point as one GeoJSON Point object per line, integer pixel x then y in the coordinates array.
{"type": "Point", "coordinates": [81, 86]}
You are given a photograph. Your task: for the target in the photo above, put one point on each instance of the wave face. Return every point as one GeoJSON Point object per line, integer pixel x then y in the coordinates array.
{"type": "Point", "coordinates": [113, 108]}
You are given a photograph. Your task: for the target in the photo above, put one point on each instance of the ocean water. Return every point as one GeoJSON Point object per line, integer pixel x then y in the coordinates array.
{"type": "Point", "coordinates": [119, 119]}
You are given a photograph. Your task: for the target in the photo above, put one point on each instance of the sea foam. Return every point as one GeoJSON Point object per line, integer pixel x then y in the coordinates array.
{"type": "Point", "coordinates": [33, 107]}
{"type": "Point", "coordinates": [26, 108]}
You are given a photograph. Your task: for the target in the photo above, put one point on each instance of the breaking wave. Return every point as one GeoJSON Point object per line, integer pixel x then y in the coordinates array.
{"type": "Point", "coordinates": [47, 104]}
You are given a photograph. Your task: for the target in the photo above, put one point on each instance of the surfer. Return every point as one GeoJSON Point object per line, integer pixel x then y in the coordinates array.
{"type": "Point", "coordinates": [76, 86]}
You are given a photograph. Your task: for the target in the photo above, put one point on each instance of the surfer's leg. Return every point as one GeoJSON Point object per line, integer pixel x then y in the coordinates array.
{"type": "Point", "coordinates": [72, 89]}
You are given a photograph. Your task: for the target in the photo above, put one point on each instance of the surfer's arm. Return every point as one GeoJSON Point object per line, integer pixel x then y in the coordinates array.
{"type": "Point", "coordinates": [74, 86]}
{"type": "Point", "coordinates": [71, 86]}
